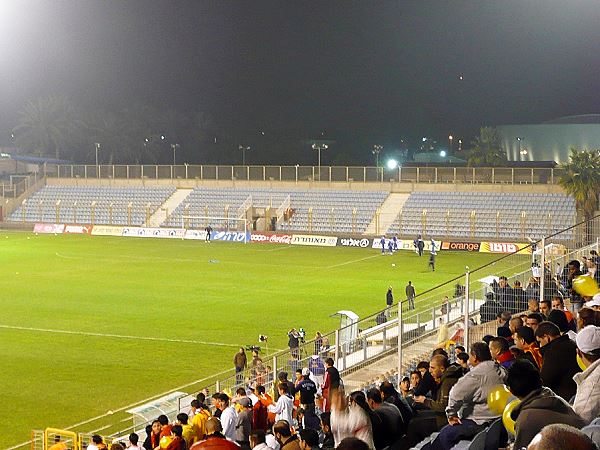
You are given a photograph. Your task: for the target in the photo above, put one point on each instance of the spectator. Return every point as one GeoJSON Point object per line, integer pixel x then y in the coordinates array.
{"type": "Point", "coordinates": [463, 361]}
{"type": "Point", "coordinates": [165, 427]}
{"type": "Point", "coordinates": [559, 303]}
{"type": "Point", "coordinates": [258, 440]}
{"type": "Point", "coordinates": [153, 439]}
{"type": "Point", "coordinates": [594, 303]}
{"type": "Point", "coordinates": [500, 351]}
{"type": "Point", "coordinates": [525, 341]}
{"type": "Point", "coordinates": [573, 271]}
{"type": "Point", "coordinates": [389, 426]}
{"type": "Point", "coordinates": [282, 379]}
{"type": "Point", "coordinates": [228, 417]}
{"type": "Point", "coordinates": [559, 318]}
{"type": "Point", "coordinates": [309, 439]}
{"type": "Point", "coordinates": [533, 320]}
{"type": "Point", "coordinates": [188, 433]}
{"type": "Point", "coordinates": [467, 410]}
{"type": "Point", "coordinates": [587, 398]}
{"type": "Point", "coordinates": [514, 323]}
{"type": "Point", "coordinates": [587, 316]}
{"type": "Point", "coordinates": [349, 420]}
{"type": "Point", "coordinates": [539, 405]}
{"type": "Point", "coordinates": [458, 349]}
{"type": "Point", "coordinates": [426, 384]}
{"type": "Point", "coordinates": [284, 407]}
{"type": "Point", "coordinates": [200, 418]}
{"type": "Point", "coordinates": [489, 309]}
{"type": "Point", "coordinates": [294, 343]}
{"type": "Point", "coordinates": [98, 443]}
{"type": "Point", "coordinates": [390, 395]}
{"type": "Point", "coordinates": [533, 306]}
{"type": "Point", "coordinates": [133, 442]}
{"type": "Point", "coordinates": [215, 403]}
{"type": "Point", "coordinates": [415, 379]}
{"type": "Point", "coordinates": [243, 424]}
{"type": "Point", "coordinates": [545, 307]}
{"type": "Point", "coordinates": [505, 294]}
{"type": "Point", "coordinates": [561, 436]}
{"type": "Point", "coordinates": [177, 441]}
{"type": "Point", "coordinates": [559, 362]}
{"type": "Point", "coordinates": [317, 369]}
{"type": "Point", "coordinates": [405, 390]}
{"type": "Point", "coordinates": [260, 413]}
{"type": "Point", "coordinates": [532, 291]}
{"type": "Point", "coordinates": [520, 298]}
{"type": "Point", "coordinates": [434, 418]}
{"type": "Point", "coordinates": [240, 362]}
{"type": "Point", "coordinates": [328, 441]}
{"type": "Point", "coordinates": [307, 389]}
{"type": "Point", "coordinates": [352, 443]}
{"type": "Point", "coordinates": [214, 438]}
{"type": "Point", "coordinates": [285, 438]}
{"type": "Point", "coordinates": [318, 343]}
{"type": "Point", "coordinates": [504, 332]}
{"type": "Point", "coordinates": [331, 383]}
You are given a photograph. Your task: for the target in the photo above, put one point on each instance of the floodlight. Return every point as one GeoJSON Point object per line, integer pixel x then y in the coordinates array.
{"type": "Point", "coordinates": [392, 164]}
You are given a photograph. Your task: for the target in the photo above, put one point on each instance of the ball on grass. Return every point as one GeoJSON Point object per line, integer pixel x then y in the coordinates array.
{"type": "Point", "coordinates": [28, 238]}
{"type": "Point", "coordinates": [393, 265]}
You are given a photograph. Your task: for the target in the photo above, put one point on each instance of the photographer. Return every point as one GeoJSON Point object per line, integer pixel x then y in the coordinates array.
{"type": "Point", "coordinates": [294, 343]}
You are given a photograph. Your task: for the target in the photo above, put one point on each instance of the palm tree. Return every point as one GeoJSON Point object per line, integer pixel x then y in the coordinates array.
{"type": "Point", "coordinates": [45, 125]}
{"type": "Point", "coordinates": [486, 150]}
{"type": "Point", "coordinates": [581, 180]}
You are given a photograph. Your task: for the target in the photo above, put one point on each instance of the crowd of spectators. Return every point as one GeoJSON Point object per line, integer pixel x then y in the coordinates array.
{"type": "Point", "coordinates": [547, 355]}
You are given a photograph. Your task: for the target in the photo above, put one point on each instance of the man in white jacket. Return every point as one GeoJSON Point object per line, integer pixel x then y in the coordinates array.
{"type": "Point", "coordinates": [467, 410]}
{"type": "Point", "coordinates": [587, 397]}
{"type": "Point", "coordinates": [284, 407]}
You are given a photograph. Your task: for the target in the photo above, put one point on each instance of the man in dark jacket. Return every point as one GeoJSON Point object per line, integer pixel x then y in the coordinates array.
{"type": "Point", "coordinates": [559, 362]}
{"type": "Point", "coordinates": [307, 389]}
{"type": "Point", "coordinates": [391, 424]}
{"type": "Point", "coordinates": [433, 418]}
{"type": "Point", "coordinates": [539, 405]}
{"type": "Point", "coordinates": [490, 308]}
{"type": "Point", "coordinates": [505, 294]}
{"type": "Point", "coordinates": [520, 298]}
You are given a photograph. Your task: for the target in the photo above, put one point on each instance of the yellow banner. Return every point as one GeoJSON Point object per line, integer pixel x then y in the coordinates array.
{"type": "Point", "coordinates": [505, 248]}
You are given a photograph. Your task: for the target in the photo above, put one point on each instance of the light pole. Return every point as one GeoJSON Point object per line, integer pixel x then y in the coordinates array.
{"type": "Point", "coordinates": [450, 137]}
{"type": "Point", "coordinates": [97, 146]}
{"type": "Point", "coordinates": [243, 148]}
{"type": "Point", "coordinates": [174, 147]}
{"type": "Point", "coordinates": [376, 150]}
{"type": "Point", "coordinates": [460, 145]}
{"type": "Point", "coordinates": [318, 148]}
{"type": "Point", "coordinates": [522, 151]}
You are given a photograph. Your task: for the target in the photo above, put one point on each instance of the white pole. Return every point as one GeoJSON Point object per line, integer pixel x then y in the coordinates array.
{"type": "Point", "coordinates": [542, 267]}
{"type": "Point", "coordinates": [399, 343]}
{"type": "Point", "coordinates": [466, 306]}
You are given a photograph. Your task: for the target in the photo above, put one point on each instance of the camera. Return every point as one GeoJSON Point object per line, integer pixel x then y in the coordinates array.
{"type": "Point", "coordinates": [262, 338]}
{"type": "Point", "coordinates": [301, 334]}
{"type": "Point", "coordinates": [253, 348]}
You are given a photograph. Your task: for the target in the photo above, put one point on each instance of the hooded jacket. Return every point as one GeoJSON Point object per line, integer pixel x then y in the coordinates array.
{"type": "Point", "coordinates": [442, 394]}
{"type": "Point", "coordinates": [559, 366]}
{"type": "Point", "coordinates": [587, 398]}
{"type": "Point", "coordinates": [538, 409]}
{"type": "Point", "coordinates": [469, 394]}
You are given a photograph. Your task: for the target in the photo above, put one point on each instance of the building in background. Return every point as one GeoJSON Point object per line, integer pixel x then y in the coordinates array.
{"type": "Point", "coordinates": [552, 140]}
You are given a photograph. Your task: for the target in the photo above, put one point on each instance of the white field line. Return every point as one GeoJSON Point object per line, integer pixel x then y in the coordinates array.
{"type": "Point", "coordinates": [120, 336]}
{"type": "Point", "coordinates": [352, 261]}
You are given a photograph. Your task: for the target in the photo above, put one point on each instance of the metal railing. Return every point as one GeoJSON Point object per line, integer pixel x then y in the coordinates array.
{"type": "Point", "coordinates": [323, 174]}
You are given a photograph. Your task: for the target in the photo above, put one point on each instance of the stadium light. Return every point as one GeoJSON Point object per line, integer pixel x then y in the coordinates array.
{"type": "Point", "coordinates": [376, 150]}
{"type": "Point", "coordinates": [443, 153]}
{"type": "Point", "coordinates": [392, 164]}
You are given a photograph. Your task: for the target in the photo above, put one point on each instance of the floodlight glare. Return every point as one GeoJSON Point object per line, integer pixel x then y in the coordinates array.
{"type": "Point", "coordinates": [392, 164]}
{"type": "Point", "coordinates": [443, 153]}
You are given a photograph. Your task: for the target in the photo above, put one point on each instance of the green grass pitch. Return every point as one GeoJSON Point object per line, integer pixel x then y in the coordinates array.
{"type": "Point", "coordinates": [66, 300]}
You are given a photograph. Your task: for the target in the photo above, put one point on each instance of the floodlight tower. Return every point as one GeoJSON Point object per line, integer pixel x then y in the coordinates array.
{"type": "Point", "coordinates": [318, 148]}
{"type": "Point", "coordinates": [376, 150]}
{"type": "Point", "coordinates": [243, 148]}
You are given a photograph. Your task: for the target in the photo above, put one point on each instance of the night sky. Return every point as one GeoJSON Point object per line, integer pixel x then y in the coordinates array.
{"type": "Point", "coordinates": [378, 70]}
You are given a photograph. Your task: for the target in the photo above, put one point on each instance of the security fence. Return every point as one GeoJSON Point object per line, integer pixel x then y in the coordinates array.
{"type": "Point", "coordinates": [319, 174]}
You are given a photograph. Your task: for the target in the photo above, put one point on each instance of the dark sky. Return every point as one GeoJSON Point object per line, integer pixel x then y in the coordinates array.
{"type": "Point", "coordinates": [381, 69]}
